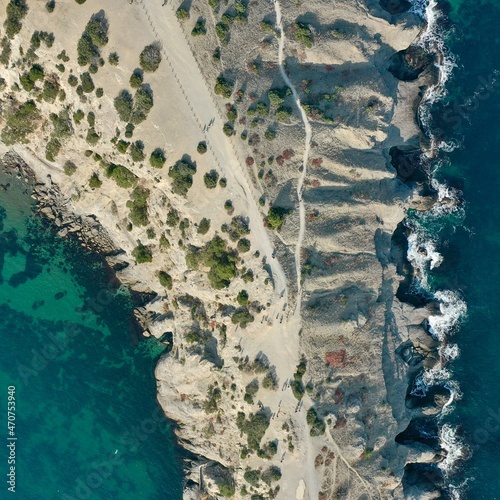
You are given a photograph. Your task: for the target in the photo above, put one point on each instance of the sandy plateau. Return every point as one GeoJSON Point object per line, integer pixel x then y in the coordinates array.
{"type": "Point", "coordinates": [303, 397]}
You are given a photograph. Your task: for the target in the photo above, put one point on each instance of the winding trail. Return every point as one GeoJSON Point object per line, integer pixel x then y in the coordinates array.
{"type": "Point", "coordinates": [305, 159]}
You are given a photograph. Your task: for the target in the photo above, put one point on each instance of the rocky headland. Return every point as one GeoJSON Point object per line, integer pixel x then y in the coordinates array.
{"type": "Point", "coordinates": [267, 231]}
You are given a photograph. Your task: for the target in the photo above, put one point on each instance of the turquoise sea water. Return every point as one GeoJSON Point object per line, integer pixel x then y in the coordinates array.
{"type": "Point", "coordinates": [87, 422]}
{"type": "Point", "coordinates": [469, 239]}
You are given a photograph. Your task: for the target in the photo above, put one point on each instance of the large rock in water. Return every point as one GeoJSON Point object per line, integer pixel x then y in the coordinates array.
{"type": "Point", "coordinates": [407, 65]}
{"type": "Point", "coordinates": [395, 6]}
{"type": "Point", "coordinates": [408, 163]}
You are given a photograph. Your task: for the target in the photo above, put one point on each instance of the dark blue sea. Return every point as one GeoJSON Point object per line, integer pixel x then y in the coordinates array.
{"type": "Point", "coordinates": [464, 230]}
{"type": "Point", "coordinates": [81, 376]}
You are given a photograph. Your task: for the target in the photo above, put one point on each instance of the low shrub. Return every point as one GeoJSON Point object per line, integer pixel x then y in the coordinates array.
{"type": "Point", "coordinates": [138, 205]}
{"type": "Point", "coordinates": [199, 28]}
{"type": "Point", "coordinates": [165, 280]}
{"type": "Point", "coordinates": [137, 151]}
{"type": "Point", "coordinates": [94, 181]}
{"type": "Point", "coordinates": [204, 226]}
{"type": "Point", "coordinates": [211, 179]}
{"type": "Point", "coordinates": [69, 168]}
{"type": "Point", "coordinates": [150, 57]}
{"type": "Point", "coordinates": [182, 176]}
{"type": "Point", "coordinates": [121, 175]}
{"type": "Point", "coordinates": [157, 158]}
{"type": "Point", "coordinates": [142, 253]}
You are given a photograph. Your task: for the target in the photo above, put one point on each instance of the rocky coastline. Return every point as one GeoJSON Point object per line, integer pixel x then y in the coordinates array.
{"type": "Point", "coordinates": [186, 375]}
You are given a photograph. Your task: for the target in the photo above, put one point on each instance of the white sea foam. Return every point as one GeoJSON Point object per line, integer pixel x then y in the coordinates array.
{"type": "Point", "coordinates": [454, 447]}
{"type": "Point", "coordinates": [452, 309]}
{"type": "Point", "coordinates": [449, 352]}
{"type": "Point", "coordinates": [423, 256]}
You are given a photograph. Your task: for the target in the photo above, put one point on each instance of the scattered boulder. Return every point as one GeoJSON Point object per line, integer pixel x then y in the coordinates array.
{"type": "Point", "coordinates": [407, 65]}
{"type": "Point", "coordinates": [408, 163]}
{"type": "Point", "coordinates": [395, 6]}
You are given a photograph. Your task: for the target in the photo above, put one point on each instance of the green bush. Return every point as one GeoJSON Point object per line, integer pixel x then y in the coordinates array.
{"type": "Point", "coordinates": [137, 78]}
{"type": "Point", "coordinates": [276, 217]}
{"type": "Point", "coordinates": [99, 92]}
{"type": "Point", "coordinates": [211, 178]}
{"type": "Point", "coordinates": [28, 79]}
{"type": "Point", "coordinates": [228, 129]}
{"type": "Point", "coordinates": [317, 424]}
{"type": "Point", "coordinates": [214, 396]}
{"type": "Point", "coordinates": [239, 227]}
{"type": "Point", "coordinates": [97, 29]}
{"type": "Point", "coordinates": [242, 298]}
{"type": "Point", "coordinates": [50, 5]}
{"type": "Point", "coordinates": [121, 175]}
{"type": "Point", "coordinates": [113, 59]}
{"type": "Point", "coordinates": [21, 120]}
{"type": "Point", "coordinates": [16, 11]}
{"type": "Point", "coordinates": [129, 130]}
{"type": "Point", "coordinates": [143, 102]}
{"type": "Point", "coordinates": [269, 381]}
{"type": "Point", "coordinates": [91, 118]}
{"type": "Point", "coordinates": [142, 253]}
{"type": "Point", "coordinates": [270, 134]}
{"type": "Point", "coordinates": [223, 182]}
{"type": "Point", "coordinates": [122, 146]}
{"type": "Point", "coordinates": [199, 28]}
{"type": "Point", "coordinates": [242, 317]}
{"type": "Point", "coordinates": [252, 477]}
{"type": "Point", "coordinates": [223, 87]}
{"type": "Point", "coordinates": [182, 175]}
{"type": "Point", "coordinates": [276, 97]}
{"type": "Point", "coordinates": [243, 245]}
{"type": "Point", "coordinates": [87, 83]}
{"type": "Point", "coordinates": [221, 30]}
{"type": "Point", "coordinates": [138, 205]}
{"type": "Point", "coordinates": [204, 226]}
{"type": "Point", "coordinates": [229, 207]}
{"type": "Point", "coordinates": [137, 151]}
{"type": "Point", "coordinates": [172, 218]}
{"type": "Point", "coordinates": [283, 114]}
{"type": "Point", "coordinates": [297, 385]}
{"type": "Point", "coordinates": [73, 80]}
{"type": "Point", "coordinates": [63, 127]}
{"type": "Point", "coordinates": [78, 116]}
{"type": "Point", "coordinates": [69, 168]}
{"type": "Point", "coordinates": [182, 14]}
{"type": "Point", "coordinates": [92, 136]}
{"type": "Point", "coordinates": [303, 34]}
{"type": "Point", "coordinates": [272, 474]}
{"type": "Point", "coordinates": [94, 181]}
{"type": "Point", "coordinates": [157, 158]}
{"type": "Point", "coordinates": [94, 36]}
{"type": "Point", "coordinates": [50, 90]}
{"type": "Point", "coordinates": [216, 256]}
{"type": "Point", "coordinates": [80, 1]}
{"type": "Point", "coordinates": [52, 149]}
{"type": "Point", "coordinates": [124, 104]}
{"type": "Point", "coordinates": [254, 427]}
{"type": "Point", "coordinates": [150, 57]}
{"type": "Point", "coordinates": [202, 147]}
{"type": "Point", "coordinates": [165, 280]}
{"type": "Point", "coordinates": [231, 113]}
{"type": "Point", "coordinates": [6, 51]}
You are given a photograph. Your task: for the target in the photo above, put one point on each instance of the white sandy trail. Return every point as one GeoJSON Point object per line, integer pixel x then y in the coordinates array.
{"type": "Point", "coordinates": [305, 159]}
{"type": "Point", "coordinates": [181, 63]}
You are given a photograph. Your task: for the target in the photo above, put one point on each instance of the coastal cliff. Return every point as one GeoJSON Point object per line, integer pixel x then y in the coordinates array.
{"type": "Point", "coordinates": [262, 217]}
